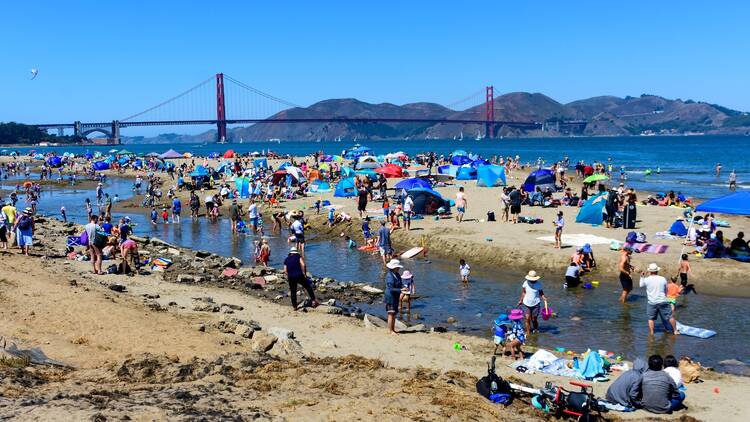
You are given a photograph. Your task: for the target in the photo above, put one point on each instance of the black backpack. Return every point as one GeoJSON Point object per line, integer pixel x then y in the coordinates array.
{"type": "Point", "coordinates": [24, 223]}
{"type": "Point", "coordinates": [490, 216]}
{"type": "Point", "coordinates": [491, 383]}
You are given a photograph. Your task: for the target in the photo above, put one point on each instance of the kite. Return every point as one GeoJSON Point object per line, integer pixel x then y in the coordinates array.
{"type": "Point", "coordinates": [34, 72]}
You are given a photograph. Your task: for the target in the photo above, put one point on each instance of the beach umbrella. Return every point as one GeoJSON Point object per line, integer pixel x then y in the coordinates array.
{"type": "Point", "coordinates": [124, 152]}
{"type": "Point", "coordinates": [152, 154]}
{"type": "Point", "coordinates": [542, 178]}
{"type": "Point", "coordinates": [170, 154]}
{"type": "Point", "coordinates": [459, 160]}
{"type": "Point", "coordinates": [412, 183]}
{"type": "Point", "coordinates": [337, 158]}
{"type": "Point", "coordinates": [229, 154]}
{"type": "Point", "coordinates": [390, 170]}
{"type": "Point", "coordinates": [295, 171]}
{"type": "Point", "coordinates": [595, 178]}
{"type": "Point", "coordinates": [366, 172]}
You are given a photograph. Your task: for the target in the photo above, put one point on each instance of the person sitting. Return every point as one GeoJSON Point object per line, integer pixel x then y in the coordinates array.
{"type": "Point", "coordinates": [536, 197]}
{"type": "Point", "coordinates": [626, 389]}
{"type": "Point", "coordinates": [739, 244]}
{"type": "Point", "coordinates": [714, 247]}
{"type": "Point", "coordinates": [588, 256]}
{"type": "Point", "coordinates": [658, 389]}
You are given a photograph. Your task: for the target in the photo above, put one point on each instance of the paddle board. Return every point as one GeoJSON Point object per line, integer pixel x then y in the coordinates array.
{"type": "Point", "coordinates": [687, 330]}
{"type": "Point", "coordinates": [412, 252]}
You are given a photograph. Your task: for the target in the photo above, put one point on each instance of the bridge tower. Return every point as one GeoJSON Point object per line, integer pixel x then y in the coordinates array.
{"type": "Point", "coordinates": [115, 132]}
{"type": "Point", "coordinates": [221, 116]}
{"type": "Point", "coordinates": [77, 129]}
{"type": "Point", "coordinates": [489, 109]}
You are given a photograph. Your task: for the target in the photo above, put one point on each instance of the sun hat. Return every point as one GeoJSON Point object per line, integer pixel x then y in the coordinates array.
{"type": "Point", "coordinates": [653, 268]}
{"type": "Point", "coordinates": [27, 210]}
{"type": "Point", "coordinates": [515, 314]}
{"type": "Point", "coordinates": [501, 319]}
{"type": "Point", "coordinates": [393, 264]}
{"type": "Point", "coordinates": [407, 274]}
{"type": "Point", "coordinates": [293, 249]}
{"type": "Point", "coordinates": [531, 276]}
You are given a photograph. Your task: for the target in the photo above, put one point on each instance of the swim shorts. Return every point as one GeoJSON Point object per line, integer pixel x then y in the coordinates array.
{"type": "Point", "coordinates": [515, 209]}
{"type": "Point", "coordinates": [664, 310]}
{"type": "Point", "coordinates": [531, 310]}
{"type": "Point", "coordinates": [626, 282]}
{"type": "Point", "coordinates": [683, 279]}
{"type": "Point", "coordinates": [461, 209]}
{"type": "Point", "coordinates": [300, 238]}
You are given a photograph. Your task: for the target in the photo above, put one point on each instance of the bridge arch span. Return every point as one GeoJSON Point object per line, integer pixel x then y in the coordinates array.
{"type": "Point", "coordinates": [103, 131]}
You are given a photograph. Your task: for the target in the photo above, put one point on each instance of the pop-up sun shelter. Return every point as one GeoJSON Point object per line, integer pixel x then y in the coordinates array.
{"type": "Point", "coordinates": [367, 162]}
{"type": "Point", "coordinates": [466, 172]}
{"type": "Point", "coordinates": [591, 211]}
{"type": "Point", "coordinates": [490, 176]}
{"type": "Point", "coordinates": [542, 178]}
{"type": "Point", "coordinates": [319, 186]}
{"type": "Point", "coordinates": [54, 161]}
{"type": "Point", "coordinates": [412, 183]}
{"type": "Point", "coordinates": [243, 186]}
{"type": "Point", "coordinates": [427, 201]}
{"type": "Point", "coordinates": [737, 203]}
{"type": "Point", "coordinates": [171, 154]}
{"type": "Point", "coordinates": [345, 188]}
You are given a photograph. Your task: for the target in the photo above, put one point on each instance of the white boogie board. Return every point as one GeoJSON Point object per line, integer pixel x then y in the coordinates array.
{"type": "Point", "coordinates": [412, 252]}
{"type": "Point", "coordinates": [694, 332]}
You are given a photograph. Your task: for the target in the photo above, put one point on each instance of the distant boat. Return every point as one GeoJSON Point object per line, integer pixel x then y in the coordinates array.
{"type": "Point", "coordinates": [479, 135]}
{"type": "Point", "coordinates": [277, 140]}
{"type": "Point", "coordinates": [461, 137]}
{"type": "Point", "coordinates": [338, 139]}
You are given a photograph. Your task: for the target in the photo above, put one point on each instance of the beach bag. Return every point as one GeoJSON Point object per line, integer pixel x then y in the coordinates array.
{"type": "Point", "coordinates": [632, 237]}
{"type": "Point", "coordinates": [641, 238]}
{"type": "Point", "coordinates": [490, 216]}
{"type": "Point", "coordinates": [491, 383]}
{"type": "Point", "coordinates": [100, 239]}
{"type": "Point", "coordinates": [24, 223]}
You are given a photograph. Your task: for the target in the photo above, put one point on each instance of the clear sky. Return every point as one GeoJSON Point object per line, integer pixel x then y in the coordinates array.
{"type": "Point", "coordinates": [101, 60]}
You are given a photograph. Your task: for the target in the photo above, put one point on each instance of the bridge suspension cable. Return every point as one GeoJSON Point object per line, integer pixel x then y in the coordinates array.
{"type": "Point", "coordinates": [170, 100]}
{"type": "Point", "coordinates": [261, 93]}
{"type": "Point", "coordinates": [475, 98]}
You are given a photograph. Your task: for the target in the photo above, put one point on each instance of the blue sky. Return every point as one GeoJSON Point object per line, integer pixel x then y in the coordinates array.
{"type": "Point", "coordinates": [101, 60]}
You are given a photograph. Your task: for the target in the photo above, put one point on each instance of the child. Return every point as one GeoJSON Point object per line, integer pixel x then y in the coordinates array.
{"type": "Point", "coordinates": [350, 243]}
{"type": "Point", "coordinates": [366, 231]}
{"type": "Point", "coordinates": [559, 224]}
{"type": "Point", "coordinates": [684, 270]}
{"type": "Point", "coordinates": [516, 336]}
{"type": "Point", "coordinates": [465, 270]}
{"type": "Point", "coordinates": [408, 289]}
{"type": "Point", "coordinates": [154, 216]}
{"type": "Point", "coordinates": [673, 292]}
{"type": "Point", "coordinates": [317, 207]}
{"type": "Point", "coordinates": [386, 208]}
{"type": "Point", "coordinates": [671, 367]}
{"type": "Point", "coordinates": [331, 216]}
{"type": "Point", "coordinates": [500, 329]}
{"type": "Point", "coordinates": [265, 253]}
{"type": "Point", "coordinates": [259, 224]}
{"type": "Point", "coordinates": [165, 216]}
{"type": "Point", "coordinates": [64, 215]}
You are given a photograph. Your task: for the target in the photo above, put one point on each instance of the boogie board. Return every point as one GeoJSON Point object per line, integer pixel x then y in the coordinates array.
{"type": "Point", "coordinates": [687, 330]}
{"type": "Point", "coordinates": [412, 252]}
{"type": "Point", "coordinates": [367, 248]}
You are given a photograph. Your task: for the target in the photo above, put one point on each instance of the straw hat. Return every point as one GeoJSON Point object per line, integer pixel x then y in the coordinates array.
{"type": "Point", "coordinates": [653, 268]}
{"type": "Point", "coordinates": [393, 264]}
{"type": "Point", "coordinates": [515, 314]}
{"type": "Point", "coordinates": [407, 274]}
{"type": "Point", "coordinates": [531, 276]}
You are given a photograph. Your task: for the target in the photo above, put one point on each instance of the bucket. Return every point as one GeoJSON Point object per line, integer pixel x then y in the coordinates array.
{"type": "Point", "coordinates": [546, 312]}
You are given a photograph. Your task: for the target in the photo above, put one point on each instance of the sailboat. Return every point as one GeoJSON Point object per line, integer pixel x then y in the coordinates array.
{"type": "Point", "coordinates": [479, 136]}
{"type": "Point", "coordinates": [461, 137]}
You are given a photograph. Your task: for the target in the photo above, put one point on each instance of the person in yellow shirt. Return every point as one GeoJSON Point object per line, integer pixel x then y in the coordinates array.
{"type": "Point", "coordinates": [10, 213]}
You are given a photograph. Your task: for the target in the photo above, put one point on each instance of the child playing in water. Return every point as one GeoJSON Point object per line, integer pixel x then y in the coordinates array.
{"type": "Point", "coordinates": [408, 289]}
{"type": "Point", "coordinates": [673, 292]}
{"type": "Point", "coordinates": [165, 216]}
{"type": "Point", "coordinates": [464, 270]}
{"type": "Point", "coordinates": [350, 243]}
{"type": "Point", "coordinates": [154, 216]}
{"type": "Point", "coordinates": [64, 215]}
{"type": "Point", "coordinates": [684, 270]}
{"type": "Point", "coordinates": [500, 328]}
{"type": "Point", "coordinates": [516, 336]}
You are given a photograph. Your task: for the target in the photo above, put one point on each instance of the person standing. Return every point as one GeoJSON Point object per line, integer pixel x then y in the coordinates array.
{"type": "Point", "coordinates": [95, 251]}
{"type": "Point", "coordinates": [392, 293]}
{"type": "Point", "coordinates": [408, 207]}
{"type": "Point", "coordinates": [252, 215]}
{"type": "Point", "coordinates": [656, 292]}
{"type": "Point", "coordinates": [626, 269]}
{"type": "Point", "coordinates": [733, 181]}
{"type": "Point", "coordinates": [505, 202]}
{"type": "Point", "coordinates": [559, 224]}
{"type": "Point", "coordinates": [298, 229]}
{"type": "Point", "coordinates": [362, 200]}
{"type": "Point", "coordinates": [11, 213]}
{"type": "Point", "coordinates": [460, 204]}
{"type": "Point", "coordinates": [384, 242]}
{"type": "Point", "coordinates": [176, 209]}
{"type": "Point", "coordinates": [24, 229]}
{"type": "Point", "coordinates": [530, 301]}
{"type": "Point", "coordinates": [296, 273]}
{"type": "Point", "coordinates": [515, 204]}
{"type": "Point", "coordinates": [234, 215]}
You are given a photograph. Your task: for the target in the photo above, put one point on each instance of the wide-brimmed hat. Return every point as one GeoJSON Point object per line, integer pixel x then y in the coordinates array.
{"type": "Point", "coordinates": [293, 250]}
{"type": "Point", "coordinates": [393, 264]}
{"type": "Point", "coordinates": [501, 319]}
{"type": "Point", "coordinates": [531, 276]}
{"type": "Point", "coordinates": [27, 210]}
{"type": "Point", "coordinates": [653, 268]}
{"type": "Point", "coordinates": [407, 274]}
{"type": "Point", "coordinates": [515, 314]}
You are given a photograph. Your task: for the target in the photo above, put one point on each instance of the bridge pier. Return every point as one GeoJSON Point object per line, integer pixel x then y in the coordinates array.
{"type": "Point", "coordinates": [77, 129]}
{"type": "Point", "coordinates": [115, 131]}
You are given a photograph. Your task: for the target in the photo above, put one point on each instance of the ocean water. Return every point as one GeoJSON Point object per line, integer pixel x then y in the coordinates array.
{"type": "Point", "coordinates": [686, 162]}
{"type": "Point", "coordinates": [601, 323]}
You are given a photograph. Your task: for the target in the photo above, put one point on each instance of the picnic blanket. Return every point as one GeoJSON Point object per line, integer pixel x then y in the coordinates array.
{"type": "Point", "coordinates": [648, 247]}
{"type": "Point", "coordinates": [579, 239]}
{"type": "Point", "coordinates": [34, 355]}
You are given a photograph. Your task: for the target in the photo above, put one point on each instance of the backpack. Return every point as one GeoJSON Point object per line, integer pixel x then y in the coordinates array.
{"type": "Point", "coordinates": [24, 223]}
{"type": "Point", "coordinates": [491, 383]}
{"type": "Point", "coordinates": [641, 238]}
{"type": "Point", "coordinates": [632, 237]}
{"type": "Point", "coordinates": [490, 216]}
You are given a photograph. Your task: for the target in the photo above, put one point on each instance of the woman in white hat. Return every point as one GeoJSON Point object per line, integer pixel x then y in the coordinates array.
{"type": "Point", "coordinates": [530, 301]}
{"type": "Point", "coordinates": [392, 293]}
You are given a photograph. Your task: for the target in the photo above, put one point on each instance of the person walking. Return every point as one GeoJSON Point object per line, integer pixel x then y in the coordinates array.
{"type": "Point", "coordinates": [392, 293]}
{"type": "Point", "coordinates": [530, 301]}
{"type": "Point", "coordinates": [515, 204]}
{"type": "Point", "coordinates": [95, 251]}
{"type": "Point", "coordinates": [626, 269]}
{"type": "Point", "coordinates": [296, 273]}
{"type": "Point", "coordinates": [656, 292]}
{"type": "Point", "coordinates": [408, 207]}
{"type": "Point", "coordinates": [384, 242]}
{"type": "Point", "coordinates": [24, 229]}
{"type": "Point", "coordinates": [460, 204]}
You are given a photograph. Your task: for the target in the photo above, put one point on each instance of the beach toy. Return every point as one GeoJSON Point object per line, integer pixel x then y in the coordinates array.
{"type": "Point", "coordinates": [546, 312]}
{"type": "Point", "coordinates": [457, 347]}
{"type": "Point", "coordinates": [587, 285]}
{"type": "Point", "coordinates": [489, 239]}
{"type": "Point", "coordinates": [716, 390]}
{"type": "Point", "coordinates": [595, 283]}
{"type": "Point", "coordinates": [560, 349]}
{"type": "Point", "coordinates": [619, 358]}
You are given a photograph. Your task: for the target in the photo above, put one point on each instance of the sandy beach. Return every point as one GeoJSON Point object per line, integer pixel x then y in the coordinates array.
{"type": "Point", "coordinates": [147, 353]}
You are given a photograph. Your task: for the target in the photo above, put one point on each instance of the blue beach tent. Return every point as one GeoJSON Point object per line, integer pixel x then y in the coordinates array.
{"type": "Point", "coordinates": [318, 186]}
{"type": "Point", "coordinates": [260, 163]}
{"type": "Point", "coordinates": [490, 176]}
{"type": "Point", "coordinates": [427, 201]}
{"type": "Point", "coordinates": [459, 160]}
{"type": "Point", "coordinates": [347, 172]}
{"type": "Point", "coordinates": [737, 203]}
{"type": "Point", "coordinates": [466, 172]}
{"type": "Point", "coordinates": [542, 178]}
{"type": "Point", "coordinates": [450, 170]}
{"type": "Point", "coordinates": [100, 165]}
{"type": "Point", "coordinates": [678, 229]}
{"type": "Point", "coordinates": [591, 211]}
{"type": "Point", "coordinates": [357, 152]}
{"type": "Point", "coordinates": [243, 186]}
{"type": "Point", "coordinates": [345, 188]}
{"type": "Point", "coordinates": [199, 171]}
{"type": "Point", "coordinates": [54, 161]}
{"type": "Point", "coordinates": [412, 183]}
{"type": "Point", "coordinates": [459, 153]}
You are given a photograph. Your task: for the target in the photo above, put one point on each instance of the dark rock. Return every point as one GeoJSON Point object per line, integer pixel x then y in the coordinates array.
{"type": "Point", "coordinates": [117, 287]}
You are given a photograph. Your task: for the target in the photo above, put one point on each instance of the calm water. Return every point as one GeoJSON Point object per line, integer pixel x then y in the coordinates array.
{"type": "Point", "coordinates": [686, 162]}
{"type": "Point", "coordinates": [604, 324]}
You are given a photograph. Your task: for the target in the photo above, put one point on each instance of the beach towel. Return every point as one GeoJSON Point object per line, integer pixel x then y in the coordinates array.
{"type": "Point", "coordinates": [162, 262]}
{"type": "Point", "coordinates": [74, 241]}
{"type": "Point", "coordinates": [579, 240]}
{"type": "Point", "coordinates": [648, 247]}
{"type": "Point", "coordinates": [591, 367]}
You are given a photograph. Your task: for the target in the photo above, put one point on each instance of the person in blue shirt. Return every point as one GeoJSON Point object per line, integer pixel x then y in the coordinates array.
{"type": "Point", "coordinates": [366, 231]}
{"type": "Point", "coordinates": [176, 209]}
{"type": "Point", "coordinates": [154, 216]}
{"type": "Point", "coordinates": [392, 293]}
{"type": "Point", "coordinates": [384, 242]}
{"type": "Point", "coordinates": [331, 216]}
{"type": "Point", "coordinates": [107, 226]}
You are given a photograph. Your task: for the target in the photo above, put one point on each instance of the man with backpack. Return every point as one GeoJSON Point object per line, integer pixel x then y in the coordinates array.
{"type": "Point", "coordinates": [24, 229]}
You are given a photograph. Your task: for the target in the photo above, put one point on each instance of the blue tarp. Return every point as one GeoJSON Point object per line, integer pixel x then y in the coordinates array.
{"type": "Point", "coordinates": [260, 163]}
{"type": "Point", "coordinates": [54, 161]}
{"type": "Point", "coordinates": [345, 188]}
{"type": "Point", "coordinates": [591, 211]}
{"type": "Point", "coordinates": [678, 229]}
{"type": "Point", "coordinates": [199, 171]}
{"type": "Point", "coordinates": [100, 165]}
{"type": "Point", "coordinates": [460, 160]}
{"type": "Point", "coordinates": [412, 183]}
{"type": "Point", "coordinates": [542, 178]}
{"type": "Point", "coordinates": [466, 173]}
{"type": "Point", "coordinates": [490, 176]}
{"type": "Point", "coordinates": [736, 203]}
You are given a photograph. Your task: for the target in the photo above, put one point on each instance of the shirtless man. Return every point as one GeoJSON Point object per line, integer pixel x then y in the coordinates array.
{"type": "Point", "coordinates": [625, 270]}
{"type": "Point", "coordinates": [718, 169]}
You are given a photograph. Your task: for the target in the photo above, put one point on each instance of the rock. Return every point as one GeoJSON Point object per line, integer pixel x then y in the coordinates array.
{"type": "Point", "coordinates": [158, 242]}
{"type": "Point", "coordinates": [331, 302]}
{"type": "Point", "coordinates": [229, 272]}
{"type": "Point", "coordinates": [172, 303]}
{"type": "Point", "coordinates": [232, 306]}
{"type": "Point", "coordinates": [139, 239]}
{"type": "Point", "coordinates": [326, 280]}
{"type": "Point", "coordinates": [278, 297]}
{"type": "Point", "coordinates": [418, 328]}
{"type": "Point", "coordinates": [117, 287]}
{"type": "Point", "coordinates": [438, 329]}
{"type": "Point", "coordinates": [207, 299]}
{"type": "Point", "coordinates": [286, 348]}
{"type": "Point", "coordinates": [451, 320]}
{"type": "Point", "coordinates": [234, 320]}
{"type": "Point", "coordinates": [187, 278]}
{"type": "Point", "coordinates": [331, 310]}
{"type": "Point", "coordinates": [226, 310]}
{"type": "Point", "coordinates": [150, 296]}
{"type": "Point", "coordinates": [270, 278]}
{"type": "Point", "coordinates": [202, 254]}
{"type": "Point", "coordinates": [157, 269]}
{"type": "Point", "coordinates": [244, 331]}
{"type": "Point", "coordinates": [262, 342]}
{"type": "Point", "coordinates": [201, 327]}
{"type": "Point", "coordinates": [371, 321]}
{"type": "Point", "coordinates": [205, 307]}
{"type": "Point", "coordinates": [281, 333]}
{"type": "Point", "coordinates": [232, 263]}
{"type": "Point", "coordinates": [173, 251]}
{"type": "Point", "coordinates": [575, 318]}
{"type": "Point", "coordinates": [368, 289]}
{"type": "Point", "coordinates": [400, 325]}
